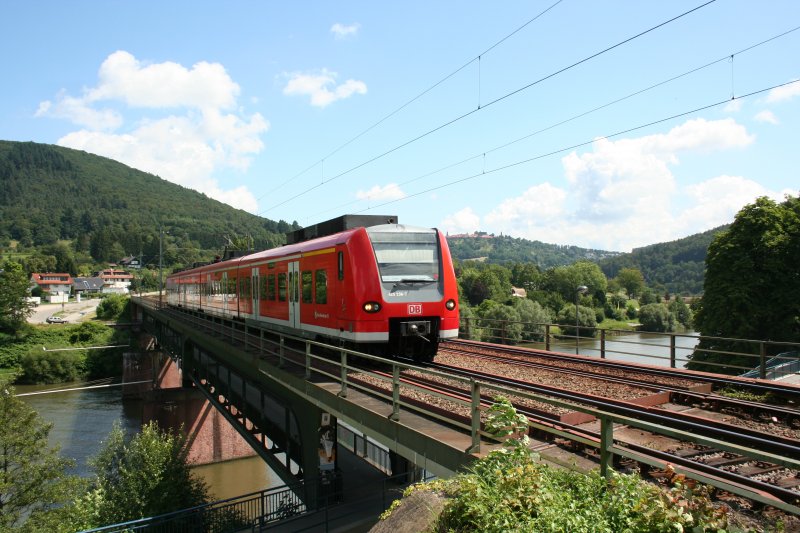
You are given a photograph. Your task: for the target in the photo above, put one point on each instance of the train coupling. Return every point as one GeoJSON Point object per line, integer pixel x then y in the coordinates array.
{"type": "Point", "coordinates": [416, 329]}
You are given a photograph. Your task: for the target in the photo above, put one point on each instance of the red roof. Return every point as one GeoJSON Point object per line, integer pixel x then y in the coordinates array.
{"type": "Point", "coordinates": [50, 278]}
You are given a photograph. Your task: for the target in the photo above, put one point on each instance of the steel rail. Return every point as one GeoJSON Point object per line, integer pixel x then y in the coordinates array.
{"type": "Point", "coordinates": [788, 413]}
{"type": "Point", "coordinates": [717, 379]}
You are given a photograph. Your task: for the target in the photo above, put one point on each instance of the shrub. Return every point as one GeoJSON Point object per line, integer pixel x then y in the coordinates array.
{"type": "Point", "coordinates": [510, 490]}
{"type": "Point", "coordinates": [112, 307]}
{"type": "Point", "coordinates": [656, 317]}
{"type": "Point", "coordinates": [51, 367]}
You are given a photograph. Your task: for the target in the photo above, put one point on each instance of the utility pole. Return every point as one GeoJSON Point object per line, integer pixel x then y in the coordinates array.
{"type": "Point", "coordinates": [160, 266]}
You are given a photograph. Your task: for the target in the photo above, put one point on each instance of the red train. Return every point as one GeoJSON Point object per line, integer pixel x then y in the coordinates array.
{"type": "Point", "coordinates": [363, 281]}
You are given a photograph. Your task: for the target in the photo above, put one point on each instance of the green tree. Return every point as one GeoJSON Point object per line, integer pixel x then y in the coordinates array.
{"type": "Point", "coordinates": [656, 317]}
{"type": "Point", "coordinates": [681, 311]}
{"type": "Point", "coordinates": [14, 305]}
{"type": "Point", "coordinates": [146, 476]}
{"type": "Point", "coordinates": [533, 317]}
{"type": "Point", "coordinates": [587, 321]}
{"type": "Point", "coordinates": [33, 477]}
{"type": "Point", "coordinates": [751, 290]}
{"type": "Point", "coordinates": [501, 323]}
{"type": "Point", "coordinates": [112, 306]}
{"type": "Point", "coordinates": [632, 280]}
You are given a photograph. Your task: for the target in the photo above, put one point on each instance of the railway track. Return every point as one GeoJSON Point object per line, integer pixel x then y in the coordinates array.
{"type": "Point", "coordinates": [778, 482]}
{"type": "Point", "coordinates": [653, 378]}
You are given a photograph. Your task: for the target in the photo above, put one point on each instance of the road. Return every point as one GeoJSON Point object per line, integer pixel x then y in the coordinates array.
{"type": "Point", "coordinates": [72, 312]}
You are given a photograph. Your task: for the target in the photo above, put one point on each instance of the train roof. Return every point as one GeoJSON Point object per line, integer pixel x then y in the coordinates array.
{"type": "Point", "coordinates": [318, 243]}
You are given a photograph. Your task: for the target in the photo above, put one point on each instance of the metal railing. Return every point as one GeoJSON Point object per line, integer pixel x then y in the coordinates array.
{"type": "Point", "coordinates": [320, 364]}
{"type": "Point", "coordinates": [256, 509]}
{"type": "Point", "coordinates": [676, 349]}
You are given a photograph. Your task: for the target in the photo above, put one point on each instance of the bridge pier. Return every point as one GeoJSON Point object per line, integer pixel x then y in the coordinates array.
{"type": "Point", "coordinates": [168, 401]}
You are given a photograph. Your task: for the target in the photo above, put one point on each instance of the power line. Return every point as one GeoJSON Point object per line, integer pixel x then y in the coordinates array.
{"type": "Point", "coordinates": [584, 143]}
{"type": "Point", "coordinates": [585, 113]}
{"type": "Point", "coordinates": [408, 103]}
{"type": "Point", "coordinates": [497, 100]}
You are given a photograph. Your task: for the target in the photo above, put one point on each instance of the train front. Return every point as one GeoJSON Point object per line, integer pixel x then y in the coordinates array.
{"type": "Point", "coordinates": [418, 287]}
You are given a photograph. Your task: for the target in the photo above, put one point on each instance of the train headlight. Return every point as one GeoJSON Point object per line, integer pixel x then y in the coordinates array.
{"type": "Point", "coordinates": [450, 305]}
{"type": "Point", "coordinates": [372, 307]}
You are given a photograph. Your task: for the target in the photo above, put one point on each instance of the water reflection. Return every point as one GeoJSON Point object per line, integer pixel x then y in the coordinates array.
{"type": "Point", "coordinates": [82, 420]}
{"type": "Point", "coordinates": [633, 347]}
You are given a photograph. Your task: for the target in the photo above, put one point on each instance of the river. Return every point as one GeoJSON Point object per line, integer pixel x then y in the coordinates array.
{"type": "Point", "coordinates": [633, 347]}
{"type": "Point", "coordinates": [82, 420]}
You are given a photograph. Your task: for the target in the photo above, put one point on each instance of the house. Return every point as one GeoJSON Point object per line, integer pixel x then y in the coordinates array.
{"type": "Point", "coordinates": [519, 293]}
{"type": "Point", "coordinates": [57, 285]}
{"type": "Point", "coordinates": [130, 262]}
{"type": "Point", "coordinates": [115, 281]}
{"type": "Point", "coordinates": [87, 286]}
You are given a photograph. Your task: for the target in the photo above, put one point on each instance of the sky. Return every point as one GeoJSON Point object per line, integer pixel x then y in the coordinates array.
{"type": "Point", "coordinates": [608, 125]}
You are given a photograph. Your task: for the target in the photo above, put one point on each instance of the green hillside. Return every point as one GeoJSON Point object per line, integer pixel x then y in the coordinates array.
{"type": "Point", "coordinates": [109, 210]}
{"type": "Point", "coordinates": [504, 250]}
{"type": "Point", "coordinates": [679, 266]}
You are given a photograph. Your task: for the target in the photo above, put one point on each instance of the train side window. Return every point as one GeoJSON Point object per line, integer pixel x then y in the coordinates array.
{"type": "Point", "coordinates": [262, 288]}
{"type": "Point", "coordinates": [231, 286]}
{"type": "Point", "coordinates": [282, 287]}
{"type": "Point", "coordinates": [321, 286]}
{"type": "Point", "coordinates": [271, 287]}
{"type": "Point", "coordinates": [307, 279]}
{"type": "Point", "coordinates": [341, 266]}
{"type": "Point", "coordinates": [244, 288]}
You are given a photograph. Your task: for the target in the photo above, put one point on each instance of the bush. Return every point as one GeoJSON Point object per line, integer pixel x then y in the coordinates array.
{"type": "Point", "coordinates": [656, 317]}
{"type": "Point", "coordinates": [586, 320]}
{"type": "Point", "coordinates": [511, 490]}
{"type": "Point", "coordinates": [51, 367]}
{"type": "Point", "coordinates": [112, 307]}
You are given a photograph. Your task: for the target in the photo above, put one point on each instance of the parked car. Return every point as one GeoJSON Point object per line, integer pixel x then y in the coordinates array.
{"type": "Point", "coordinates": [56, 320]}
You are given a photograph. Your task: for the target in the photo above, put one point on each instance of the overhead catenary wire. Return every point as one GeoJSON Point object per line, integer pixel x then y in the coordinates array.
{"type": "Point", "coordinates": [580, 144]}
{"type": "Point", "coordinates": [482, 154]}
{"type": "Point", "coordinates": [411, 101]}
{"type": "Point", "coordinates": [491, 103]}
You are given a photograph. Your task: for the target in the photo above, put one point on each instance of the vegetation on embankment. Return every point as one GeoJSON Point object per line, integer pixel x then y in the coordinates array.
{"type": "Point", "coordinates": [511, 490]}
{"type": "Point", "coordinates": [56, 354]}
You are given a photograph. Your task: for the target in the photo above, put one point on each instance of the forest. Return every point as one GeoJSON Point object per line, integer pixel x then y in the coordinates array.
{"type": "Point", "coordinates": [60, 202]}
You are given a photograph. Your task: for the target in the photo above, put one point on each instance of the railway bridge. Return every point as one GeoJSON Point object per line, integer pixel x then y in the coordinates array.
{"type": "Point", "coordinates": [286, 396]}
{"type": "Point", "coordinates": [289, 412]}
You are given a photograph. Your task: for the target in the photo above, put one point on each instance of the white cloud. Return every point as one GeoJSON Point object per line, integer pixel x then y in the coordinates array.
{"type": "Point", "coordinates": [464, 221]}
{"type": "Point", "coordinates": [621, 193]}
{"type": "Point", "coordinates": [734, 106]}
{"type": "Point", "coordinates": [717, 200]}
{"type": "Point", "coordinates": [766, 116]}
{"type": "Point", "coordinates": [787, 92]}
{"type": "Point", "coordinates": [391, 191]}
{"type": "Point", "coordinates": [342, 31]}
{"type": "Point", "coordinates": [122, 117]}
{"type": "Point", "coordinates": [322, 88]}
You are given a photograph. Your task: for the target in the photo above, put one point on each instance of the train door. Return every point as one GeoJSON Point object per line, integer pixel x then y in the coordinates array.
{"type": "Point", "coordinates": [224, 289]}
{"type": "Point", "coordinates": [254, 293]}
{"type": "Point", "coordinates": [294, 294]}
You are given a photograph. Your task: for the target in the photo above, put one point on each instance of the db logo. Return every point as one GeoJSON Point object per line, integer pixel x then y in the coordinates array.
{"type": "Point", "coordinates": [414, 309]}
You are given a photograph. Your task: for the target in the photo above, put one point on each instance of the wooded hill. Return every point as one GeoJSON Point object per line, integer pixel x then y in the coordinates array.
{"type": "Point", "coordinates": [50, 193]}
{"type": "Point", "coordinates": [676, 266]}
{"type": "Point", "coordinates": [679, 266]}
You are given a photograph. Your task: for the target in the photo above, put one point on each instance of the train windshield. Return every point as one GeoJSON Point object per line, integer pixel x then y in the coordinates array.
{"type": "Point", "coordinates": [408, 257]}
